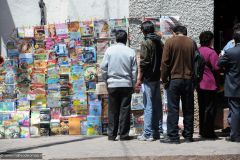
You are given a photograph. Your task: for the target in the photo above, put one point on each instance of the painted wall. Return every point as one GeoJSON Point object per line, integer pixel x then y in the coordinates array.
{"type": "Point", "coordinates": [196, 15]}
{"type": "Point", "coordinates": [17, 13]}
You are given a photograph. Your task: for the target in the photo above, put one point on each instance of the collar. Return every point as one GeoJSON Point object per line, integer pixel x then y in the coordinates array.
{"type": "Point", "coordinates": [120, 44]}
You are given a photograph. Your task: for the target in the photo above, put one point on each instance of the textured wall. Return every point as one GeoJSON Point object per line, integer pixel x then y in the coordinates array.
{"type": "Point", "coordinates": [196, 15]}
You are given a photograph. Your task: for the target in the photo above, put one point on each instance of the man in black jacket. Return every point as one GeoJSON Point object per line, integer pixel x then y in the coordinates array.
{"type": "Point", "coordinates": [149, 76]}
{"type": "Point", "coordinates": [230, 62]}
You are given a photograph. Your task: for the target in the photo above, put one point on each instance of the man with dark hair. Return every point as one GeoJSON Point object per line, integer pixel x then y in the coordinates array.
{"type": "Point", "coordinates": [176, 74]}
{"type": "Point", "coordinates": [149, 76]}
{"type": "Point", "coordinates": [230, 62]}
{"type": "Point", "coordinates": [231, 43]}
{"type": "Point", "coordinates": [119, 68]}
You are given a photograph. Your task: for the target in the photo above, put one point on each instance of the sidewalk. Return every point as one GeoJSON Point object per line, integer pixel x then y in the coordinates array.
{"type": "Point", "coordinates": [99, 148]}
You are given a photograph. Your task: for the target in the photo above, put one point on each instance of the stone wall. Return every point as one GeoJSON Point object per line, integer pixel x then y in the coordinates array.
{"type": "Point", "coordinates": [196, 15]}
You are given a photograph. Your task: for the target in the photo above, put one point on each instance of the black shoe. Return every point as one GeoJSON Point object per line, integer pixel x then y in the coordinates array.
{"type": "Point", "coordinates": [210, 137]}
{"type": "Point", "coordinates": [170, 141]}
{"type": "Point", "coordinates": [126, 138]}
{"type": "Point", "coordinates": [188, 140]}
{"type": "Point", "coordinates": [111, 138]}
{"type": "Point", "coordinates": [229, 139]}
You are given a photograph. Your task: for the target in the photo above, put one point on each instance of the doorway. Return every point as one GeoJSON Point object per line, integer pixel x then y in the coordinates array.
{"type": "Point", "coordinates": [225, 16]}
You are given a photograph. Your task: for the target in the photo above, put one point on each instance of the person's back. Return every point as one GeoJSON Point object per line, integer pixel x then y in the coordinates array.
{"type": "Point", "coordinates": [176, 74]}
{"type": "Point", "coordinates": [181, 53]}
{"type": "Point", "coordinates": [120, 60]}
{"type": "Point", "coordinates": [230, 62]}
{"type": "Point", "coordinates": [119, 70]}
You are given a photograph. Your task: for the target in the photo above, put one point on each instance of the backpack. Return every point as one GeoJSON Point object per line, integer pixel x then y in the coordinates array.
{"type": "Point", "coordinates": [198, 66]}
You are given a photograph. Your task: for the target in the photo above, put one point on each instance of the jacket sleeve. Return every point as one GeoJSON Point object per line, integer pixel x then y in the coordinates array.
{"type": "Point", "coordinates": [104, 66]}
{"type": "Point", "coordinates": [145, 58]}
{"type": "Point", "coordinates": [214, 60]}
{"type": "Point", "coordinates": [223, 61]}
{"type": "Point", "coordinates": [134, 69]}
{"type": "Point", "coordinates": [165, 64]}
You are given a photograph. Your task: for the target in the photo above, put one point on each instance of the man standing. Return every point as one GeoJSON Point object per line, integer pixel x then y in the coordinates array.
{"type": "Point", "coordinates": [230, 62]}
{"type": "Point", "coordinates": [149, 75]}
{"type": "Point", "coordinates": [176, 74]}
{"type": "Point", "coordinates": [119, 69]}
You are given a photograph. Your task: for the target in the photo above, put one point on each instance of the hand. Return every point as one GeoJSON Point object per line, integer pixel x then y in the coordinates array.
{"type": "Point", "coordinates": [137, 86]}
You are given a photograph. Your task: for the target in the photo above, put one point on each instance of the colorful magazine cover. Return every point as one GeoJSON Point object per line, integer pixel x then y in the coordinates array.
{"type": "Point", "coordinates": [28, 32]}
{"type": "Point", "coordinates": [90, 73]}
{"type": "Point", "coordinates": [10, 78]}
{"type": "Point", "coordinates": [78, 86]}
{"type": "Point", "coordinates": [34, 130]}
{"type": "Point", "coordinates": [12, 49]}
{"type": "Point", "coordinates": [86, 28]}
{"type": "Point", "coordinates": [51, 31]}
{"type": "Point", "coordinates": [61, 29]}
{"type": "Point", "coordinates": [26, 58]}
{"type": "Point", "coordinates": [4, 117]}
{"type": "Point", "coordinates": [55, 113]}
{"type": "Point", "coordinates": [12, 132]}
{"type": "Point", "coordinates": [45, 115]}
{"type": "Point", "coordinates": [80, 97]}
{"type": "Point", "coordinates": [83, 130]}
{"type": "Point", "coordinates": [101, 29]}
{"type": "Point", "coordinates": [74, 26]}
{"type": "Point", "coordinates": [89, 55]}
{"type": "Point", "coordinates": [39, 33]}
{"type": "Point", "coordinates": [7, 106]}
{"type": "Point", "coordinates": [23, 104]}
{"type": "Point", "coordinates": [91, 86]}
{"type": "Point", "coordinates": [38, 78]}
{"type": "Point", "coordinates": [94, 125]}
{"type": "Point", "coordinates": [21, 117]}
{"type": "Point", "coordinates": [21, 32]}
{"type": "Point", "coordinates": [75, 124]}
{"type": "Point", "coordinates": [61, 49]}
{"type": "Point", "coordinates": [64, 61]}
{"type": "Point", "coordinates": [35, 117]}
{"type": "Point", "coordinates": [77, 69]}
{"type": "Point", "coordinates": [95, 108]}
{"type": "Point", "coordinates": [24, 132]}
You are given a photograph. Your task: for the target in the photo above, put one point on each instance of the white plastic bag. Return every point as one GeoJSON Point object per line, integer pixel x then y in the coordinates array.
{"type": "Point", "coordinates": [137, 101]}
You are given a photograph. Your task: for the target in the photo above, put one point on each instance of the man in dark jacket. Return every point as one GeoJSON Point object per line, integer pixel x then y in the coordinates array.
{"type": "Point", "coordinates": [176, 74]}
{"type": "Point", "coordinates": [149, 76]}
{"type": "Point", "coordinates": [230, 62]}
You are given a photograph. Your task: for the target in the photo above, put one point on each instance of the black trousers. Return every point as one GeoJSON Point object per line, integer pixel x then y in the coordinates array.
{"type": "Point", "coordinates": [207, 112]}
{"type": "Point", "coordinates": [180, 89]}
{"type": "Point", "coordinates": [234, 118]}
{"type": "Point", "coordinates": [119, 111]}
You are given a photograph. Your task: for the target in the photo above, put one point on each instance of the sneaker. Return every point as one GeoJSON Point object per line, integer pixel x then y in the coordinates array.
{"type": "Point", "coordinates": [143, 138]}
{"type": "Point", "coordinates": [162, 135]}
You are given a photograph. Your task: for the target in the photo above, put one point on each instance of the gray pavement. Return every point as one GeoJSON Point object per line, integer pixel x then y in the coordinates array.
{"type": "Point", "coordinates": [98, 147]}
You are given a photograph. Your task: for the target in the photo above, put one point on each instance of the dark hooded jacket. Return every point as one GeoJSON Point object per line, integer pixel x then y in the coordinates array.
{"type": "Point", "coordinates": [150, 57]}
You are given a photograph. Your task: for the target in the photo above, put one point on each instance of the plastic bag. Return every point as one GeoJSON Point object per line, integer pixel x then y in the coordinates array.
{"type": "Point", "coordinates": [137, 101]}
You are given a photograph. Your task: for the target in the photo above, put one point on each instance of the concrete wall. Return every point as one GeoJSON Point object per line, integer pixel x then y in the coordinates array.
{"type": "Point", "coordinates": [196, 15]}
{"type": "Point", "coordinates": [17, 13]}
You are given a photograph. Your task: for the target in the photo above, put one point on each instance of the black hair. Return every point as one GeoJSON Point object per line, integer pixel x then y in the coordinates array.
{"type": "Point", "coordinates": [179, 30]}
{"type": "Point", "coordinates": [121, 36]}
{"type": "Point", "coordinates": [205, 38]}
{"type": "Point", "coordinates": [236, 27]}
{"type": "Point", "coordinates": [236, 36]}
{"type": "Point", "coordinates": [1, 59]}
{"type": "Point", "coordinates": [147, 27]}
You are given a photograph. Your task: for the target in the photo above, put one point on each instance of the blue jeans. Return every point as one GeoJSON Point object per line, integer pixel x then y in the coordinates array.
{"type": "Point", "coordinates": [152, 109]}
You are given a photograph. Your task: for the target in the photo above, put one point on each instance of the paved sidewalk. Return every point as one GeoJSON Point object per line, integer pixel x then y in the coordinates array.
{"type": "Point", "coordinates": [99, 148]}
